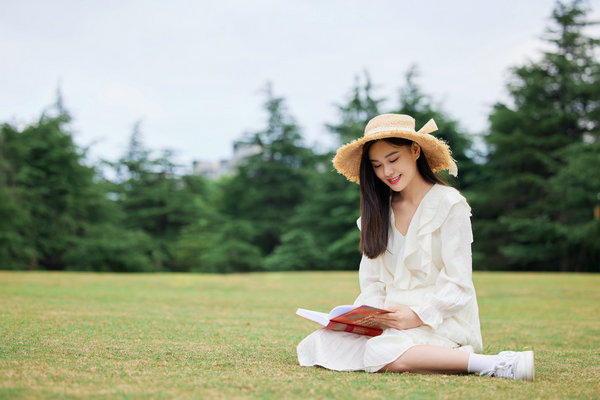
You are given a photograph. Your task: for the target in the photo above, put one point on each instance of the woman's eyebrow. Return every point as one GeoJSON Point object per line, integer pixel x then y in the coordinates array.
{"type": "Point", "coordinates": [391, 154]}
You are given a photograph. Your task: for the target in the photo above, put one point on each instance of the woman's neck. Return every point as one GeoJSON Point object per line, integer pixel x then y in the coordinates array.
{"type": "Point", "coordinates": [414, 192]}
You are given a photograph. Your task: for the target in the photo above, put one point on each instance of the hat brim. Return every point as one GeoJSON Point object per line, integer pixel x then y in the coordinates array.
{"type": "Point", "coordinates": [437, 152]}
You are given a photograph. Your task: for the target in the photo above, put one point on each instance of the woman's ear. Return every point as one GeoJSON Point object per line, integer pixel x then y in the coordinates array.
{"type": "Point", "coordinates": [415, 149]}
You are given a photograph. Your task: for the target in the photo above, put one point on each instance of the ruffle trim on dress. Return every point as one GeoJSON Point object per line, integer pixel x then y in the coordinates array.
{"type": "Point", "coordinates": [433, 211]}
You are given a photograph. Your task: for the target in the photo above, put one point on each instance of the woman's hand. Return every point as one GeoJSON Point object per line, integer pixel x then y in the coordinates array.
{"type": "Point", "coordinates": [401, 317]}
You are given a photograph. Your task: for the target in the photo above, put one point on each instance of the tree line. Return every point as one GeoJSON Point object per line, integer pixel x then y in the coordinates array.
{"type": "Point", "coordinates": [533, 184]}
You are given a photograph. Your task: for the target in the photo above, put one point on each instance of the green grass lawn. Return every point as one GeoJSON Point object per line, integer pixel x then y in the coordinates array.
{"type": "Point", "coordinates": [72, 335]}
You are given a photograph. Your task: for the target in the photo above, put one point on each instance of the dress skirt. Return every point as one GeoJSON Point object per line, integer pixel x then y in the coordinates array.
{"type": "Point", "coordinates": [343, 351]}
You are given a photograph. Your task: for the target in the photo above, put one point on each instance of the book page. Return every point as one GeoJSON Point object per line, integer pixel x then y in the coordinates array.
{"type": "Point", "coordinates": [315, 316]}
{"type": "Point", "coordinates": [339, 310]}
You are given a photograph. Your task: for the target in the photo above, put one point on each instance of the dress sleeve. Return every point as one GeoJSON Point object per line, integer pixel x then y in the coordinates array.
{"type": "Point", "coordinates": [454, 284]}
{"type": "Point", "coordinates": [372, 288]}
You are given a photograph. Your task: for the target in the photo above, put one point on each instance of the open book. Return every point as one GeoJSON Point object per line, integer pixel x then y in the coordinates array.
{"type": "Point", "coordinates": [355, 319]}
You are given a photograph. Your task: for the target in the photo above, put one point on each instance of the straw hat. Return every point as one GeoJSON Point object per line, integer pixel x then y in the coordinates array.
{"type": "Point", "coordinates": [436, 151]}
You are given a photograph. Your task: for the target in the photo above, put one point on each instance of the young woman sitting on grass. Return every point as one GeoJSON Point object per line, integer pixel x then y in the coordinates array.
{"type": "Point", "coordinates": [416, 243]}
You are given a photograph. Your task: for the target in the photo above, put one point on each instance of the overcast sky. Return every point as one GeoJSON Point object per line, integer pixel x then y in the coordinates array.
{"type": "Point", "coordinates": [193, 71]}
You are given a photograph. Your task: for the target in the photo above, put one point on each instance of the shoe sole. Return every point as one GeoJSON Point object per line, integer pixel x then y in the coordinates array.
{"type": "Point", "coordinates": [528, 370]}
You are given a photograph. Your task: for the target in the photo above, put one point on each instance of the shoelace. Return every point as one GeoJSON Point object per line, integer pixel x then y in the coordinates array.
{"type": "Point", "coordinates": [501, 369]}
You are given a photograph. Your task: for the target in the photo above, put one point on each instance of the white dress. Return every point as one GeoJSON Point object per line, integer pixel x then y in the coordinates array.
{"type": "Point", "coordinates": [428, 270]}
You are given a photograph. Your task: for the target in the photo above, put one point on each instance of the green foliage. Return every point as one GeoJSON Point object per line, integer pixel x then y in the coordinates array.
{"type": "Point", "coordinates": [360, 107]}
{"type": "Point", "coordinates": [269, 184]}
{"type": "Point", "coordinates": [56, 213]}
{"type": "Point", "coordinates": [46, 189]}
{"type": "Point", "coordinates": [322, 232]}
{"type": "Point", "coordinates": [215, 242]}
{"type": "Point", "coordinates": [285, 208]}
{"type": "Point", "coordinates": [298, 251]}
{"type": "Point", "coordinates": [421, 107]}
{"type": "Point", "coordinates": [14, 249]}
{"type": "Point", "coordinates": [317, 234]}
{"type": "Point", "coordinates": [535, 192]}
{"type": "Point", "coordinates": [230, 248]}
{"type": "Point", "coordinates": [110, 248]}
{"type": "Point", "coordinates": [574, 191]}
{"type": "Point", "coordinates": [153, 199]}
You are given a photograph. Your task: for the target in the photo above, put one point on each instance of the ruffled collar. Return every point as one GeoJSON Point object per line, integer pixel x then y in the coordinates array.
{"type": "Point", "coordinates": [422, 204]}
{"type": "Point", "coordinates": [414, 266]}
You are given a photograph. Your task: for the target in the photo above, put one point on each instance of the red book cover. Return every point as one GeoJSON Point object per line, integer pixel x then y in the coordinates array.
{"type": "Point", "coordinates": [354, 319]}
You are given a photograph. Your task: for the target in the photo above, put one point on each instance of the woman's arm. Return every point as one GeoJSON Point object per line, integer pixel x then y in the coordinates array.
{"type": "Point", "coordinates": [372, 289]}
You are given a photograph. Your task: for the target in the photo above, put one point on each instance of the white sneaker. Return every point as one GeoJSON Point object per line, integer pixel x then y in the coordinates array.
{"type": "Point", "coordinates": [513, 365]}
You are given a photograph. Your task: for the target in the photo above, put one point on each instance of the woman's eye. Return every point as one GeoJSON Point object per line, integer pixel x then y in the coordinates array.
{"type": "Point", "coordinates": [376, 166]}
{"type": "Point", "coordinates": [394, 160]}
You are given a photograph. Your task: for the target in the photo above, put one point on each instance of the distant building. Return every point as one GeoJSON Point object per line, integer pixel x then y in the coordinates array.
{"type": "Point", "coordinates": [217, 169]}
{"type": "Point", "coordinates": [211, 169]}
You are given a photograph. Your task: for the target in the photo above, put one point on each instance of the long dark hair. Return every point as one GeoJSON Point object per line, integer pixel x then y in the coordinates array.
{"type": "Point", "coordinates": [375, 199]}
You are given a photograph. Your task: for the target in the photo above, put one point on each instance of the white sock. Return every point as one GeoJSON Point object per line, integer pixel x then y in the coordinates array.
{"type": "Point", "coordinates": [481, 362]}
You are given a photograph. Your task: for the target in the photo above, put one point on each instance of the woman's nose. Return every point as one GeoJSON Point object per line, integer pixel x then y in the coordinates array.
{"type": "Point", "coordinates": [387, 170]}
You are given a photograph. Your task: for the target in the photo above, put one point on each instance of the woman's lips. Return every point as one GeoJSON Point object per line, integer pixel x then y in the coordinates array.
{"type": "Point", "coordinates": [394, 180]}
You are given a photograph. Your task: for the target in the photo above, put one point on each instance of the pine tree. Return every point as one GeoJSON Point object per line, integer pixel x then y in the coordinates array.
{"type": "Point", "coordinates": [268, 185]}
{"type": "Point", "coordinates": [15, 250]}
{"type": "Point", "coordinates": [153, 199]}
{"type": "Point", "coordinates": [49, 194]}
{"type": "Point", "coordinates": [554, 115]}
{"type": "Point", "coordinates": [322, 233]}
{"type": "Point", "coordinates": [421, 107]}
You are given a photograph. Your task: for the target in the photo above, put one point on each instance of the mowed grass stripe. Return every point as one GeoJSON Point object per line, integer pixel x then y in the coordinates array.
{"type": "Point", "coordinates": [74, 335]}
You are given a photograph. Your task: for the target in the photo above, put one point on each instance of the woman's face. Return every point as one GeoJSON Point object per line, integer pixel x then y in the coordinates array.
{"type": "Point", "coordinates": [396, 166]}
